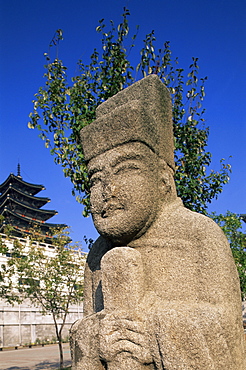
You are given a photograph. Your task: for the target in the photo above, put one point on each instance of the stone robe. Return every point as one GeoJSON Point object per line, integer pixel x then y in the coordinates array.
{"type": "Point", "coordinates": [175, 300]}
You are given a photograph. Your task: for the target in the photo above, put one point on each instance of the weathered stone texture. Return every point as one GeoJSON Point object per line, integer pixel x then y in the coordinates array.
{"type": "Point", "coordinates": [133, 115]}
{"type": "Point", "coordinates": [161, 287]}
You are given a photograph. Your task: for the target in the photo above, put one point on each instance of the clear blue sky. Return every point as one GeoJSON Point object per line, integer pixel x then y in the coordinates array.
{"type": "Point", "coordinates": [214, 31]}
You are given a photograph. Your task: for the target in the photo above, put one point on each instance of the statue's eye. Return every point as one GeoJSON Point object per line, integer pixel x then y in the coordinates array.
{"type": "Point", "coordinates": [125, 167]}
{"type": "Point", "coordinates": [95, 180]}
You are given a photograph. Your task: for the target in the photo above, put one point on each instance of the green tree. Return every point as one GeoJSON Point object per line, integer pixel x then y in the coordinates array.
{"type": "Point", "coordinates": [5, 287]}
{"type": "Point", "coordinates": [6, 291]}
{"type": "Point", "coordinates": [61, 109]}
{"type": "Point", "coordinates": [231, 224]}
{"type": "Point", "coordinates": [52, 280]}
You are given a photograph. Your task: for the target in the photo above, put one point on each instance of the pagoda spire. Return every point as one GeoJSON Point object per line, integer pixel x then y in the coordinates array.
{"type": "Point", "coordinates": [18, 170]}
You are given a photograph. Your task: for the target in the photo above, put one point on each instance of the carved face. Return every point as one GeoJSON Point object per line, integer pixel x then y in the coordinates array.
{"type": "Point", "coordinates": [124, 191]}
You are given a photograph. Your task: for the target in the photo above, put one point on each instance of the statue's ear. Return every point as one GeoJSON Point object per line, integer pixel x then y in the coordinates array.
{"type": "Point", "coordinates": [165, 179]}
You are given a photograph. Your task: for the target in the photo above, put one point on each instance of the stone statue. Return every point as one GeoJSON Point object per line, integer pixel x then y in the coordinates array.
{"type": "Point", "coordinates": [161, 287]}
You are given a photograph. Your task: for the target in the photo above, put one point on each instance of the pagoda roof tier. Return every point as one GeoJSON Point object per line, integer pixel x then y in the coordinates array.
{"type": "Point", "coordinates": [25, 223]}
{"type": "Point", "coordinates": [26, 210]}
{"type": "Point", "coordinates": [19, 232]}
{"type": "Point", "coordinates": [25, 198]}
{"type": "Point", "coordinates": [20, 184]}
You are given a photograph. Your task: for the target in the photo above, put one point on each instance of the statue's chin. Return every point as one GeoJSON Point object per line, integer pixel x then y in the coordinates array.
{"type": "Point", "coordinates": [122, 225]}
{"type": "Point", "coordinates": [121, 233]}
{"type": "Point", "coordinates": [116, 230]}
{"type": "Point", "coordinates": [117, 239]}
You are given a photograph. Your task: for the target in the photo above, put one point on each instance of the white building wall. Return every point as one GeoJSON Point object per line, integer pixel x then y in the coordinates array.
{"type": "Point", "coordinates": [24, 324]}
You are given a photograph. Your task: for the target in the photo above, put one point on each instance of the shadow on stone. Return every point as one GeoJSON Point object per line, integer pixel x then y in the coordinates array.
{"type": "Point", "coordinates": [44, 365]}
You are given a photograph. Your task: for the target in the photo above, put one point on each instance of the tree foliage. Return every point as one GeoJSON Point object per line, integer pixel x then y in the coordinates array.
{"type": "Point", "coordinates": [6, 291]}
{"type": "Point", "coordinates": [52, 279]}
{"type": "Point", "coordinates": [61, 109]}
{"type": "Point", "coordinates": [231, 224]}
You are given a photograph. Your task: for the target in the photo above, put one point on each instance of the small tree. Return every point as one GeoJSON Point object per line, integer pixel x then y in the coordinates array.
{"type": "Point", "coordinates": [52, 280]}
{"type": "Point", "coordinates": [61, 110]}
{"type": "Point", "coordinates": [231, 224]}
{"type": "Point", "coordinates": [6, 289]}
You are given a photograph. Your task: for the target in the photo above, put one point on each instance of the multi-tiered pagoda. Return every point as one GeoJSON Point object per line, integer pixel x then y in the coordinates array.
{"type": "Point", "coordinates": [21, 208]}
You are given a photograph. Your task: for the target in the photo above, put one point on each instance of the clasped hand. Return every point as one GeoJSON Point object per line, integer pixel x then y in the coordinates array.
{"type": "Point", "coordinates": [123, 333]}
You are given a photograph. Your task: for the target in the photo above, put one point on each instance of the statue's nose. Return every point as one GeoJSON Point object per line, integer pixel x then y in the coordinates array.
{"type": "Point", "coordinates": [108, 191]}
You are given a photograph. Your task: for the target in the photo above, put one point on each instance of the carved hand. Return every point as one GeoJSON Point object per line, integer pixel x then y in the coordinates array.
{"type": "Point", "coordinates": [124, 336]}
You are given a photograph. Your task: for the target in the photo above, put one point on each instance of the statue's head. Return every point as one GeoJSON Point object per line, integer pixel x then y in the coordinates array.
{"type": "Point", "coordinates": [129, 151]}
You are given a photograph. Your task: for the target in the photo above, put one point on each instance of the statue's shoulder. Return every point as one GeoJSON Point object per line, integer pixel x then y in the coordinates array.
{"type": "Point", "coordinates": [198, 223]}
{"type": "Point", "coordinates": [184, 222]}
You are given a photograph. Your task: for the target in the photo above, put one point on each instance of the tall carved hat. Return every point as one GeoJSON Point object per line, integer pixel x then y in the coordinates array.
{"type": "Point", "coordinates": [140, 113]}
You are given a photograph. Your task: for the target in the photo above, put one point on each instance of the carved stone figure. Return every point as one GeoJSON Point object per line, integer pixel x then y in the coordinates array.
{"type": "Point", "coordinates": [161, 287]}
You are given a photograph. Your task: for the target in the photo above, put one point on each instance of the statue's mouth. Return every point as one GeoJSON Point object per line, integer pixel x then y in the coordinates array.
{"type": "Point", "coordinates": [110, 209]}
